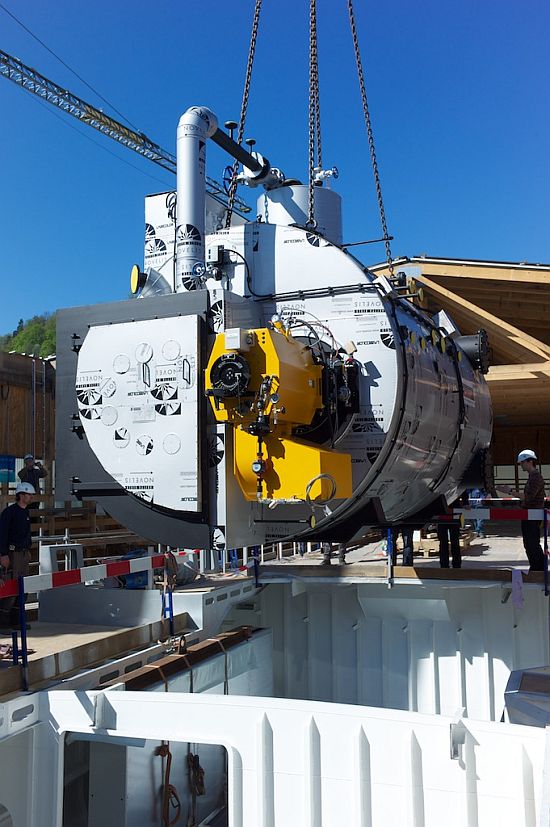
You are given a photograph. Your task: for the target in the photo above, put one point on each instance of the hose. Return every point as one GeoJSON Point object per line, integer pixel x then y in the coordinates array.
{"type": "Point", "coordinates": [170, 797]}
{"type": "Point", "coordinates": [312, 482]}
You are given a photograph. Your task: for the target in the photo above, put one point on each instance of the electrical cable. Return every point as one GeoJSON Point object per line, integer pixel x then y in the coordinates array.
{"type": "Point", "coordinates": [328, 417]}
{"type": "Point", "coordinates": [85, 82]}
{"type": "Point", "coordinates": [248, 278]}
{"type": "Point", "coordinates": [318, 341]}
{"type": "Point", "coordinates": [335, 345]}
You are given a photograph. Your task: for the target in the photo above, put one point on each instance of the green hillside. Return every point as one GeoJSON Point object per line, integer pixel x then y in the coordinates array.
{"type": "Point", "coordinates": [35, 337]}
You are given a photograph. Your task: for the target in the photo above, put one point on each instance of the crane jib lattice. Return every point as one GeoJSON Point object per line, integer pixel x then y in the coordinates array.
{"type": "Point", "coordinates": [27, 78]}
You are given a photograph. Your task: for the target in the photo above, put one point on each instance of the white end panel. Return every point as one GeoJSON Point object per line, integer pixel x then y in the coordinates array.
{"type": "Point", "coordinates": [137, 395]}
{"type": "Point", "coordinates": [158, 252]}
{"type": "Point", "coordinates": [160, 229]}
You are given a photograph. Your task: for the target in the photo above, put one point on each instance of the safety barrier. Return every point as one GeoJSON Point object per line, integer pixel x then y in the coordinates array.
{"type": "Point", "coordinates": [500, 514]}
{"type": "Point", "coordinates": [506, 515]}
{"type": "Point", "coordinates": [34, 584]}
{"type": "Point", "coordinates": [40, 582]}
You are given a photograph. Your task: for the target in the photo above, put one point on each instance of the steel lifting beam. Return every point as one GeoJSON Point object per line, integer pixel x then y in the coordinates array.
{"type": "Point", "coordinates": [31, 80]}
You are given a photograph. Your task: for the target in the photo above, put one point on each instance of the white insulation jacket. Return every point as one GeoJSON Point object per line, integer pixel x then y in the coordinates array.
{"type": "Point", "coordinates": [195, 126]}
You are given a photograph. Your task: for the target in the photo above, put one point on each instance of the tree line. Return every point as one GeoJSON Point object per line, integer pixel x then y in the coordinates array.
{"type": "Point", "coordinates": [35, 337]}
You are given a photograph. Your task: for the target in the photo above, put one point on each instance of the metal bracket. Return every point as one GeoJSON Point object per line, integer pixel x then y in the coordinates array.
{"type": "Point", "coordinates": [104, 716]}
{"type": "Point", "coordinates": [457, 735]}
{"type": "Point", "coordinates": [383, 284]}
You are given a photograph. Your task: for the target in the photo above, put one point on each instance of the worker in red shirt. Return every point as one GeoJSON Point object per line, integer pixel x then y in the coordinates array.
{"type": "Point", "coordinates": [532, 497]}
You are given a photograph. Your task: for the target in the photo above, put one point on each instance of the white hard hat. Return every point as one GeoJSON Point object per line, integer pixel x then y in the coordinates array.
{"type": "Point", "coordinates": [27, 456]}
{"type": "Point", "coordinates": [526, 454]}
{"type": "Point", "coordinates": [25, 488]}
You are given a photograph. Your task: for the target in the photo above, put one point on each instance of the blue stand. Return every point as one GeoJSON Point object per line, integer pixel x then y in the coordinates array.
{"type": "Point", "coordinates": [168, 608]}
{"type": "Point", "coordinates": [14, 648]}
{"type": "Point", "coordinates": [389, 551]}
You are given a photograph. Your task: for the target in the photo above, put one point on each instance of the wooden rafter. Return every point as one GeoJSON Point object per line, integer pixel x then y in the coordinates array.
{"type": "Point", "coordinates": [511, 343]}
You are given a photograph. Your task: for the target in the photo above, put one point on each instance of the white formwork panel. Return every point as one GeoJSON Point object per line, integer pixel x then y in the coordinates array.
{"type": "Point", "coordinates": [318, 764]}
{"type": "Point", "coordinates": [432, 648]}
{"type": "Point", "coordinates": [28, 752]}
{"type": "Point", "coordinates": [16, 755]}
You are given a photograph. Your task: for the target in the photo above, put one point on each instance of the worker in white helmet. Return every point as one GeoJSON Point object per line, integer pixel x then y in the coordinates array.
{"type": "Point", "coordinates": [15, 547]}
{"type": "Point", "coordinates": [532, 497]}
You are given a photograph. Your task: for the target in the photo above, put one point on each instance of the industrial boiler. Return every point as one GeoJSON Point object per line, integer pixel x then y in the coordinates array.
{"type": "Point", "coordinates": [262, 384]}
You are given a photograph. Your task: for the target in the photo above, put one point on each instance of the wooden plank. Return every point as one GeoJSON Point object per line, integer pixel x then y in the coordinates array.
{"type": "Point", "coordinates": [379, 571]}
{"type": "Point", "coordinates": [476, 270]}
{"type": "Point", "coordinates": [532, 370]}
{"type": "Point", "coordinates": [526, 294]}
{"type": "Point", "coordinates": [533, 315]}
{"type": "Point", "coordinates": [464, 574]}
{"type": "Point", "coordinates": [80, 656]}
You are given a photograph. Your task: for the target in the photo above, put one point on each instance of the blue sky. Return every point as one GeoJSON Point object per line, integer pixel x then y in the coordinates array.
{"type": "Point", "coordinates": [458, 96]}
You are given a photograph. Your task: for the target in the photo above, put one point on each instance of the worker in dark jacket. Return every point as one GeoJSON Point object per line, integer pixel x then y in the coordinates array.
{"type": "Point", "coordinates": [448, 531]}
{"type": "Point", "coordinates": [532, 497]}
{"type": "Point", "coordinates": [15, 546]}
{"type": "Point", "coordinates": [32, 472]}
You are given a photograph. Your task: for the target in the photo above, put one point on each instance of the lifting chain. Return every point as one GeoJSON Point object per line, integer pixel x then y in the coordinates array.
{"type": "Point", "coordinates": [314, 112]}
{"type": "Point", "coordinates": [370, 137]}
{"type": "Point", "coordinates": [244, 108]}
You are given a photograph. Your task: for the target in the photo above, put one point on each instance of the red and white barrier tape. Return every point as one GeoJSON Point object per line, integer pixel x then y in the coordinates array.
{"type": "Point", "coordinates": [42, 582]}
{"type": "Point", "coordinates": [502, 514]}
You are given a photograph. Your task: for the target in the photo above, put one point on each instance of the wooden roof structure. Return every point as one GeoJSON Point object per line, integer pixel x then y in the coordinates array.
{"type": "Point", "coordinates": [511, 301]}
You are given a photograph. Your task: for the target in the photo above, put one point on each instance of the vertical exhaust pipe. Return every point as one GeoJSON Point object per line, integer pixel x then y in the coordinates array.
{"type": "Point", "coordinates": [195, 126]}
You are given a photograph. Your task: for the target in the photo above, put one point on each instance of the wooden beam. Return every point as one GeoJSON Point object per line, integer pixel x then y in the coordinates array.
{"type": "Point", "coordinates": [467, 270]}
{"type": "Point", "coordinates": [510, 340]}
{"type": "Point", "coordinates": [533, 312]}
{"type": "Point", "coordinates": [536, 370]}
{"type": "Point", "coordinates": [490, 287]}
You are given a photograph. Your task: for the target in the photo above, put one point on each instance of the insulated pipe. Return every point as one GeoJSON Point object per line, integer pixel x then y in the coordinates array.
{"type": "Point", "coordinates": [195, 126]}
{"type": "Point", "coordinates": [232, 148]}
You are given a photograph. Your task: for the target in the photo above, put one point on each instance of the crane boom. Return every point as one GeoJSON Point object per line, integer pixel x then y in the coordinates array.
{"type": "Point", "coordinates": [24, 76]}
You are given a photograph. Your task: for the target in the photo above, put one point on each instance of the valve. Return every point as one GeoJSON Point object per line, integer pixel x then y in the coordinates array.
{"type": "Point", "coordinates": [320, 175]}
{"type": "Point", "coordinates": [260, 427]}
